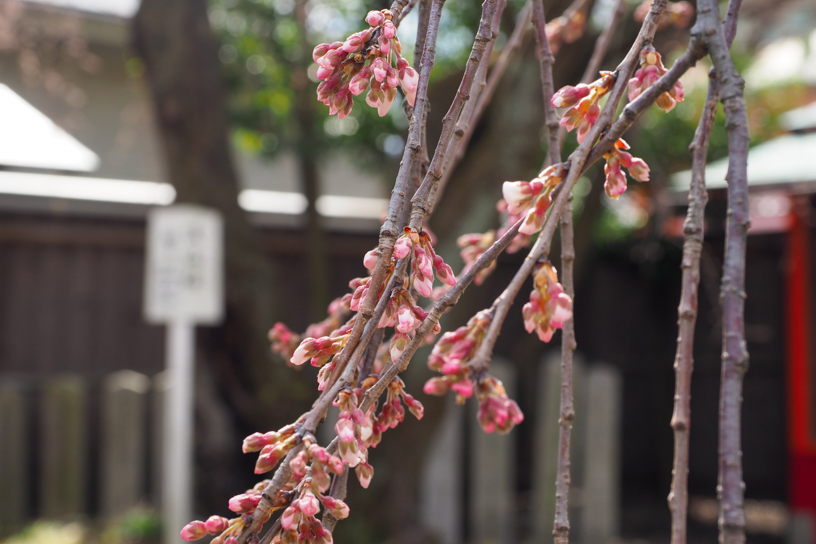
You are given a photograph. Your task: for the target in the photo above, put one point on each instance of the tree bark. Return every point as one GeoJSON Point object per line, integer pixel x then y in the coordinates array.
{"type": "Point", "coordinates": [180, 53]}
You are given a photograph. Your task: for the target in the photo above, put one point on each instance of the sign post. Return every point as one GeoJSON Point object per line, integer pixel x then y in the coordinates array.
{"type": "Point", "coordinates": [183, 287]}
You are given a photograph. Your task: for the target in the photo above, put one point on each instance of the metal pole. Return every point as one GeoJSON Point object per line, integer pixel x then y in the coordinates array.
{"type": "Point", "coordinates": [177, 454]}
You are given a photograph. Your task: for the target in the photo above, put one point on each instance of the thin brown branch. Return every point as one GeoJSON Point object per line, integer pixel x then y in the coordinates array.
{"type": "Point", "coordinates": [338, 490]}
{"type": "Point", "coordinates": [693, 232]}
{"type": "Point", "coordinates": [734, 349]}
{"type": "Point", "coordinates": [546, 60]}
{"type": "Point", "coordinates": [424, 197]}
{"type": "Point", "coordinates": [484, 90]}
{"type": "Point", "coordinates": [561, 525]}
{"type": "Point", "coordinates": [603, 43]}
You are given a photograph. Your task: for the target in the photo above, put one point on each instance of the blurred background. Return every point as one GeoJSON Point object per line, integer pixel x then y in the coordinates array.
{"type": "Point", "coordinates": [109, 108]}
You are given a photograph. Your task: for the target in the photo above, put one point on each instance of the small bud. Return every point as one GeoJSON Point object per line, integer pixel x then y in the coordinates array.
{"type": "Point", "coordinates": [194, 530]}
{"type": "Point", "coordinates": [216, 524]}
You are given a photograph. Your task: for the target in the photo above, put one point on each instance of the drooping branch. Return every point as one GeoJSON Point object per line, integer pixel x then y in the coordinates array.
{"type": "Point", "coordinates": [693, 232]}
{"type": "Point", "coordinates": [577, 164]}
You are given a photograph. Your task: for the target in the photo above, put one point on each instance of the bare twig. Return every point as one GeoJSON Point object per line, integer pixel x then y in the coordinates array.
{"type": "Point", "coordinates": [734, 350]}
{"type": "Point", "coordinates": [425, 196]}
{"type": "Point", "coordinates": [693, 231]}
{"type": "Point", "coordinates": [484, 89]}
{"type": "Point", "coordinates": [603, 43]}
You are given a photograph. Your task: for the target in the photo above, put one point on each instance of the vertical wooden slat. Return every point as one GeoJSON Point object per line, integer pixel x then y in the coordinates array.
{"type": "Point", "coordinates": [123, 448]}
{"type": "Point", "coordinates": [14, 457]}
{"type": "Point", "coordinates": [441, 504]}
{"type": "Point", "coordinates": [601, 515]}
{"type": "Point", "coordinates": [492, 476]}
{"type": "Point", "coordinates": [63, 463]}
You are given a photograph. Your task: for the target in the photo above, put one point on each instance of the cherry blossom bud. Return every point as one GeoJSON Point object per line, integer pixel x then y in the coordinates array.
{"type": "Point", "coordinates": [256, 441]}
{"type": "Point", "coordinates": [364, 473]}
{"type": "Point", "coordinates": [638, 168]}
{"type": "Point", "coordinates": [308, 504]}
{"type": "Point", "coordinates": [345, 430]}
{"type": "Point", "coordinates": [389, 30]}
{"type": "Point", "coordinates": [320, 50]}
{"type": "Point", "coordinates": [375, 18]}
{"type": "Point", "coordinates": [216, 524]}
{"type": "Point", "coordinates": [463, 388]}
{"type": "Point", "coordinates": [289, 518]}
{"type": "Point", "coordinates": [370, 259]}
{"type": "Point", "coordinates": [304, 352]}
{"type": "Point", "coordinates": [569, 96]}
{"type": "Point", "coordinates": [243, 504]}
{"type": "Point", "coordinates": [402, 247]}
{"type": "Point", "coordinates": [336, 507]}
{"type": "Point", "coordinates": [194, 530]}
{"type": "Point", "coordinates": [359, 83]}
{"type": "Point", "coordinates": [409, 81]}
{"type": "Point", "coordinates": [398, 344]}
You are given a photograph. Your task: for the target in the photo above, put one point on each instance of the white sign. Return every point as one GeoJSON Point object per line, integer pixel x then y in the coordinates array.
{"type": "Point", "coordinates": [184, 266]}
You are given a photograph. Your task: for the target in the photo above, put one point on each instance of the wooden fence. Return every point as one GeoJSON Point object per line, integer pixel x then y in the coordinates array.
{"type": "Point", "coordinates": [48, 468]}
{"type": "Point", "coordinates": [63, 442]}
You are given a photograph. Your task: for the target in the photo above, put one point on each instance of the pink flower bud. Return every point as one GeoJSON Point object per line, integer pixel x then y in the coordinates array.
{"type": "Point", "coordinates": [463, 388]}
{"type": "Point", "coordinates": [345, 430]}
{"type": "Point", "coordinates": [398, 344]}
{"type": "Point", "coordinates": [304, 352]}
{"type": "Point", "coordinates": [307, 503]}
{"type": "Point", "coordinates": [409, 81]}
{"type": "Point", "coordinates": [194, 530]}
{"type": "Point", "coordinates": [389, 30]}
{"type": "Point", "coordinates": [216, 524]}
{"type": "Point", "coordinates": [359, 83]}
{"type": "Point", "coordinates": [338, 508]}
{"type": "Point", "coordinates": [569, 96]}
{"type": "Point", "coordinates": [289, 518]}
{"type": "Point", "coordinates": [402, 247]}
{"type": "Point", "coordinates": [375, 18]}
{"type": "Point", "coordinates": [364, 473]}
{"type": "Point", "coordinates": [370, 259]}
{"type": "Point", "coordinates": [243, 504]}
{"type": "Point", "coordinates": [320, 50]}
{"type": "Point", "coordinates": [324, 73]}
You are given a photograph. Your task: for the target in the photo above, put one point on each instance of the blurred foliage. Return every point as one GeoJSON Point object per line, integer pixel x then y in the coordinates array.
{"type": "Point", "coordinates": [48, 532]}
{"type": "Point", "coordinates": [138, 526]}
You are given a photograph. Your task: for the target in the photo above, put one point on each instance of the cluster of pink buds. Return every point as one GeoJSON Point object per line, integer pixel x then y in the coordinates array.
{"type": "Point", "coordinates": [532, 198]}
{"type": "Point", "coordinates": [451, 356]}
{"type": "Point", "coordinates": [285, 341]}
{"type": "Point", "coordinates": [565, 29]}
{"type": "Point", "coordinates": [393, 412]}
{"type": "Point", "coordinates": [356, 431]}
{"type": "Point", "coordinates": [322, 464]}
{"type": "Point", "coordinates": [651, 68]}
{"type": "Point", "coordinates": [273, 447]}
{"type": "Point", "coordinates": [318, 350]}
{"type": "Point", "coordinates": [583, 102]}
{"type": "Point", "coordinates": [617, 157]}
{"type": "Point", "coordinates": [226, 529]}
{"type": "Point", "coordinates": [425, 261]}
{"type": "Point", "coordinates": [472, 247]}
{"type": "Point", "coordinates": [549, 306]}
{"type": "Point", "coordinates": [364, 60]}
{"type": "Point", "coordinates": [497, 412]}
{"type": "Point", "coordinates": [298, 522]}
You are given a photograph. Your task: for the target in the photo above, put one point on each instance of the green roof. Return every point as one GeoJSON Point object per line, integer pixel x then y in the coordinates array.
{"type": "Point", "coordinates": [789, 159]}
